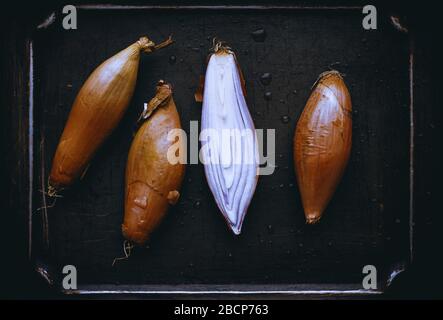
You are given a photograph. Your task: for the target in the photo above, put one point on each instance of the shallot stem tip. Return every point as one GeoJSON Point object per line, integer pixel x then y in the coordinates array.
{"type": "Point", "coordinates": [165, 43]}
{"type": "Point", "coordinates": [325, 74]}
{"type": "Point", "coordinates": [220, 46]}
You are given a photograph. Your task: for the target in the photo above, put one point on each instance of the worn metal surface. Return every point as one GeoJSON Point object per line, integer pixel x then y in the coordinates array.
{"type": "Point", "coordinates": [367, 221]}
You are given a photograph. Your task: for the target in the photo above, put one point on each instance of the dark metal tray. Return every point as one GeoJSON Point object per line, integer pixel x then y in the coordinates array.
{"type": "Point", "coordinates": [369, 220]}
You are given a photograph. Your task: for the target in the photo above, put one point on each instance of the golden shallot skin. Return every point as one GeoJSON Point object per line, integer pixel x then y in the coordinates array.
{"type": "Point", "coordinates": [152, 182]}
{"type": "Point", "coordinates": [322, 143]}
{"type": "Point", "coordinates": [97, 109]}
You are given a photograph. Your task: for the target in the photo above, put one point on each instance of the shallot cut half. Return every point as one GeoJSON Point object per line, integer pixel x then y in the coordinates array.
{"type": "Point", "coordinates": [229, 149]}
{"type": "Point", "coordinates": [322, 143]}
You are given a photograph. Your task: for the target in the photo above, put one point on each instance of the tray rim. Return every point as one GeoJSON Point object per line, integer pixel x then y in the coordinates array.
{"type": "Point", "coordinates": [188, 290]}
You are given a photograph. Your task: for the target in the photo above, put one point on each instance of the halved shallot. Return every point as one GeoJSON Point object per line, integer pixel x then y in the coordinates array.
{"type": "Point", "coordinates": [229, 143]}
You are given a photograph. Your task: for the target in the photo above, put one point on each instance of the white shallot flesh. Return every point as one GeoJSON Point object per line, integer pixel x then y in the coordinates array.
{"type": "Point", "coordinates": [229, 144]}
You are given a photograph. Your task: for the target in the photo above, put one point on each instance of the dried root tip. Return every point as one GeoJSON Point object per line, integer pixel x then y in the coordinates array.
{"type": "Point", "coordinates": [127, 247]}
{"type": "Point", "coordinates": [312, 220]}
{"type": "Point", "coordinates": [52, 192]}
{"type": "Point", "coordinates": [220, 47]}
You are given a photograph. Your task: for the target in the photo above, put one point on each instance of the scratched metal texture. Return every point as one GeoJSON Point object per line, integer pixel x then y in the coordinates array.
{"type": "Point", "coordinates": [367, 221]}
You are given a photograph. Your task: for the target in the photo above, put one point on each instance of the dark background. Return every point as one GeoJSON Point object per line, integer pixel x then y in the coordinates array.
{"type": "Point", "coordinates": [421, 280]}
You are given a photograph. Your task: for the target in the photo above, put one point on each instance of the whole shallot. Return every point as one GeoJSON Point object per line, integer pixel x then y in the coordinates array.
{"type": "Point", "coordinates": [322, 143]}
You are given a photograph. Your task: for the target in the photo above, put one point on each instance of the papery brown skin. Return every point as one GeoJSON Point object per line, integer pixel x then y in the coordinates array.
{"type": "Point", "coordinates": [97, 109]}
{"type": "Point", "coordinates": [152, 182]}
{"type": "Point", "coordinates": [322, 143]}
